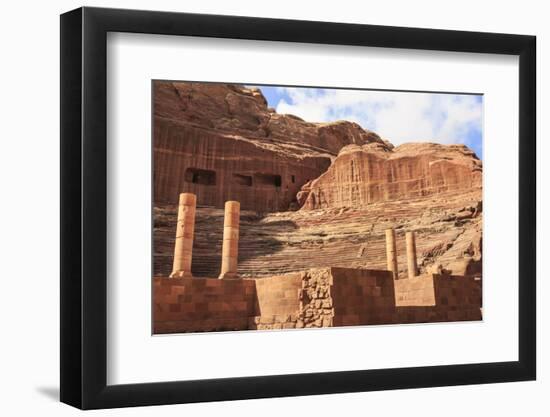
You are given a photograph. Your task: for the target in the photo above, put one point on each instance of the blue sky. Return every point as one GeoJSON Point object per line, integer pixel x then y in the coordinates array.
{"type": "Point", "coordinates": [396, 116]}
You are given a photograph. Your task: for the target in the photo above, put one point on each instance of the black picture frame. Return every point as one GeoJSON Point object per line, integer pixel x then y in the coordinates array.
{"type": "Point", "coordinates": [84, 207]}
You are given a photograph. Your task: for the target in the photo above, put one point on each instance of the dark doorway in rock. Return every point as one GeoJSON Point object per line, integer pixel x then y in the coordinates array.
{"type": "Point", "coordinates": [242, 179]}
{"type": "Point", "coordinates": [267, 179]}
{"type": "Point", "coordinates": [200, 176]}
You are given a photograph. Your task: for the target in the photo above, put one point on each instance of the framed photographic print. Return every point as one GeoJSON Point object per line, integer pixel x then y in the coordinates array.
{"type": "Point", "coordinates": [256, 208]}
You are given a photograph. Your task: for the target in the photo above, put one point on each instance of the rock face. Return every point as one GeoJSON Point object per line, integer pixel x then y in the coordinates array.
{"type": "Point", "coordinates": [363, 175]}
{"type": "Point", "coordinates": [243, 111]}
{"type": "Point", "coordinates": [221, 142]}
{"type": "Point", "coordinates": [448, 230]}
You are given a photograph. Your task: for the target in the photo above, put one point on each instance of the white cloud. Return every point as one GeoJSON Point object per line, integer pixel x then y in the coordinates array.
{"type": "Point", "coordinates": [396, 116]}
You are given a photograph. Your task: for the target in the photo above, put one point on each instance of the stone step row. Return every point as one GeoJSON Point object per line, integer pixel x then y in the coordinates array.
{"type": "Point", "coordinates": [290, 241]}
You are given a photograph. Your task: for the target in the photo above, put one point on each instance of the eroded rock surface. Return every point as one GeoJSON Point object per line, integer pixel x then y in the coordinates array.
{"type": "Point", "coordinates": [222, 143]}
{"type": "Point", "coordinates": [243, 111]}
{"type": "Point", "coordinates": [447, 226]}
{"type": "Point", "coordinates": [363, 175]}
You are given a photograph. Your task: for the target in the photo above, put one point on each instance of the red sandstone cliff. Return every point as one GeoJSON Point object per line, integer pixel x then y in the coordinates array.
{"type": "Point", "coordinates": [243, 111]}
{"type": "Point", "coordinates": [362, 175]}
{"type": "Point", "coordinates": [222, 143]}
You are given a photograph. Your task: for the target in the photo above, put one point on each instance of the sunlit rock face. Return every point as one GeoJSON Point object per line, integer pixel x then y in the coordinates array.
{"type": "Point", "coordinates": [311, 194]}
{"type": "Point", "coordinates": [363, 175]}
{"type": "Point", "coordinates": [222, 143]}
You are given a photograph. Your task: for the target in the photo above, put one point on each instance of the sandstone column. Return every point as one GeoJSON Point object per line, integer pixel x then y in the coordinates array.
{"type": "Point", "coordinates": [391, 252]}
{"type": "Point", "coordinates": [230, 250]}
{"type": "Point", "coordinates": [184, 236]}
{"type": "Point", "coordinates": [411, 254]}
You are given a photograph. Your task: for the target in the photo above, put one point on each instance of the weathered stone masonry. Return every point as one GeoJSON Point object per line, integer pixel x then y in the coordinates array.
{"type": "Point", "coordinates": [221, 145]}
{"type": "Point", "coordinates": [318, 297]}
{"type": "Point", "coordinates": [323, 297]}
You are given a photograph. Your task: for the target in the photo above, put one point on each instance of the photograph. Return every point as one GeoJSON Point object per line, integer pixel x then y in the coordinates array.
{"type": "Point", "coordinates": [297, 207]}
{"type": "Point", "coordinates": [263, 209]}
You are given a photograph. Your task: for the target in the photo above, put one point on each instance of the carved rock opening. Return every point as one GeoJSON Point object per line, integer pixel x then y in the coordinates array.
{"type": "Point", "coordinates": [200, 176]}
{"type": "Point", "coordinates": [241, 179]}
{"type": "Point", "coordinates": [267, 179]}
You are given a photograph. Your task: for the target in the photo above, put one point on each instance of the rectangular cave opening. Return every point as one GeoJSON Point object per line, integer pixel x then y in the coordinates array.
{"type": "Point", "coordinates": [242, 179]}
{"type": "Point", "coordinates": [267, 179]}
{"type": "Point", "coordinates": [200, 176]}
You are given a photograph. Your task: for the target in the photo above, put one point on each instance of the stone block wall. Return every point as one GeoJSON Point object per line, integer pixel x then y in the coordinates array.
{"type": "Point", "coordinates": [277, 302]}
{"type": "Point", "coordinates": [197, 305]}
{"type": "Point", "coordinates": [418, 291]}
{"type": "Point", "coordinates": [362, 296]}
{"type": "Point", "coordinates": [316, 303]}
{"type": "Point", "coordinates": [278, 295]}
{"type": "Point", "coordinates": [438, 298]}
{"type": "Point", "coordinates": [457, 290]}
{"type": "Point", "coordinates": [324, 297]}
{"type": "Point", "coordinates": [319, 297]}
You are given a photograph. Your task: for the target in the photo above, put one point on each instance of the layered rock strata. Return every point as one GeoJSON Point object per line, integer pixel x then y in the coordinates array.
{"type": "Point", "coordinates": [363, 175]}
{"type": "Point", "coordinates": [221, 142]}
{"type": "Point", "coordinates": [447, 228]}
